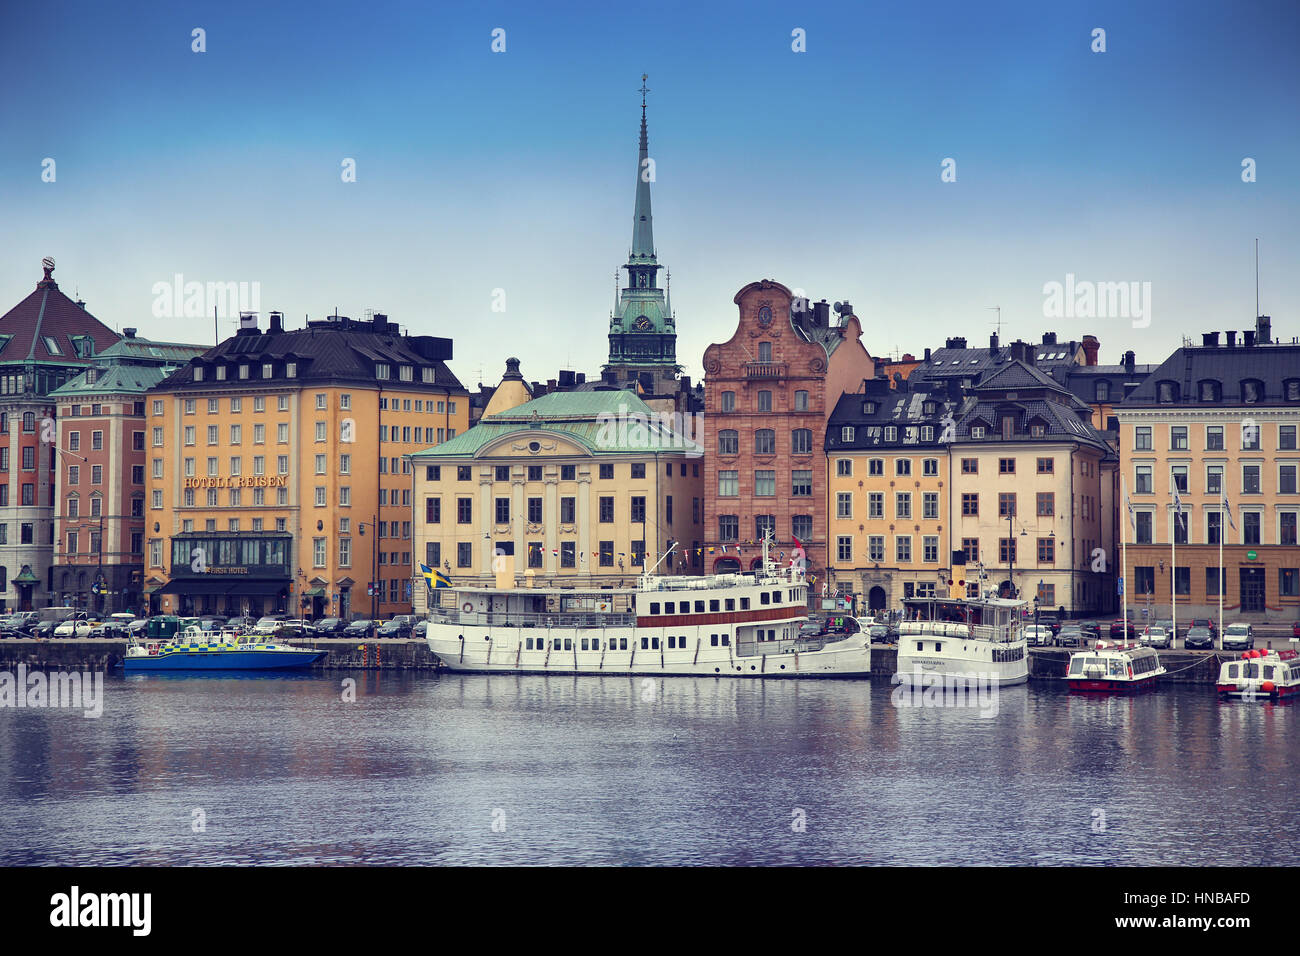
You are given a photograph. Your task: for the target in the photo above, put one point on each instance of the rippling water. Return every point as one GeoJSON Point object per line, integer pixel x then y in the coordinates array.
{"type": "Point", "coordinates": [586, 770]}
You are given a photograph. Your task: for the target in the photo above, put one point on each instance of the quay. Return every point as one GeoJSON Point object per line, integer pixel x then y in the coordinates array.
{"type": "Point", "coordinates": [95, 654]}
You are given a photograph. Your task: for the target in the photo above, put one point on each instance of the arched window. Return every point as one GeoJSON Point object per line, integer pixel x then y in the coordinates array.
{"type": "Point", "coordinates": [1166, 392]}
{"type": "Point", "coordinates": [801, 441]}
{"type": "Point", "coordinates": [1209, 390]}
{"type": "Point", "coordinates": [728, 442]}
{"type": "Point", "coordinates": [764, 441]}
{"type": "Point", "coordinates": [1252, 391]}
{"type": "Point", "coordinates": [1103, 391]}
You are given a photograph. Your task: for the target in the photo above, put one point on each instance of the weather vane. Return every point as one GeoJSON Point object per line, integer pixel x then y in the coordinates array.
{"type": "Point", "coordinates": [644, 88]}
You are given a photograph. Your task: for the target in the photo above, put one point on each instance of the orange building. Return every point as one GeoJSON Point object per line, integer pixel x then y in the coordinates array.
{"type": "Point", "coordinates": [277, 476]}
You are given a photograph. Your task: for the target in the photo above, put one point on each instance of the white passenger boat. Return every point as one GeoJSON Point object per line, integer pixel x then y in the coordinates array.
{"type": "Point", "coordinates": [962, 640]}
{"type": "Point", "coordinates": [720, 625]}
{"type": "Point", "coordinates": [1261, 675]}
{"type": "Point", "coordinates": [1110, 666]}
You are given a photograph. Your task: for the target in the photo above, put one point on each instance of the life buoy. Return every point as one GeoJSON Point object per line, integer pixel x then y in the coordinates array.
{"type": "Point", "coordinates": [468, 607]}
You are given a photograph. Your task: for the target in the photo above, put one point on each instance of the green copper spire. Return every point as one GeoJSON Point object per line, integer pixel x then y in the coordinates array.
{"type": "Point", "coordinates": [642, 333]}
{"type": "Point", "coordinates": [643, 240]}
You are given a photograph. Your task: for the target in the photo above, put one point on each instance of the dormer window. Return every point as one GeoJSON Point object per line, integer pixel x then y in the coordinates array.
{"type": "Point", "coordinates": [51, 345]}
{"type": "Point", "coordinates": [1103, 391]}
{"type": "Point", "coordinates": [428, 374]}
{"type": "Point", "coordinates": [846, 433]}
{"type": "Point", "coordinates": [268, 370]}
{"type": "Point", "coordinates": [868, 408]}
{"type": "Point", "coordinates": [928, 408]}
{"type": "Point", "coordinates": [221, 373]}
{"type": "Point", "coordinates": [1166, 392]}
{"type": "Point", "coordinates": [243, 371]}
{"type": "Point", "coordinates": [1291, 389]}
{"type": "Point", "coordinates": [1252, 391]}
{"type": "Point", "coordinates": [977, 431]}
{"type": "Point", "coordinates": [290, 369]}
{"type": "Point", "coordinates": [1209, 390]}
{"type": "Point", "coordinates": [198, 373]}
{"type": "Point", "coordinates": [404, 372]}
{"type": "Point", "coordinates": [381, 370]}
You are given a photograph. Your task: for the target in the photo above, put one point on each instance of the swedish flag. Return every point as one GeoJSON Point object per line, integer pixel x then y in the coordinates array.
{"type": "Point", "coordinates": [434, 578]}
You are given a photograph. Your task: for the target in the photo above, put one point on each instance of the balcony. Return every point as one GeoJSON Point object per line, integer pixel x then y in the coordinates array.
{"type": "Point", "coordinates": [766, 370]}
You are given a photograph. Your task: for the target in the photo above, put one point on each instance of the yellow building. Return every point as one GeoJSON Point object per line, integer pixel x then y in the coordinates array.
{"type": "Point", "coordinates": [1220, 423]}
{"type": "Point", "coordinates": [934, 483]}
{"type": "Point", "coordinates": [580, 488]}
{"type": "Point", "coordinates": [277, 476]}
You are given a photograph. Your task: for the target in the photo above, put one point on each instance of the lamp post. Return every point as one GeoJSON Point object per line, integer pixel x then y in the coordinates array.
{"type": "Point", "coordinates": [374, 562]}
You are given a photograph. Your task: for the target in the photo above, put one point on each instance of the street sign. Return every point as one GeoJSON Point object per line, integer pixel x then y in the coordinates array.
{"type": "Point", "coordinates": [1251, 555]}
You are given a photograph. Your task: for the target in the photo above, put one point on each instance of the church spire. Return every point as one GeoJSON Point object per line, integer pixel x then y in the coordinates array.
{"type": "Point", "coordinates": [643, 243]}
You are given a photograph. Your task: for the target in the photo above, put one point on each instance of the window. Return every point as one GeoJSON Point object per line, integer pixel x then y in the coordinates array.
{"type": "Point", "coordinates": [568, 509]}
{"type": "Point", "coordinates": [971, 548]}
{"type": "Point", "coordinates": [970, 505]}
{"type": "Point", "coordinates": [1214, 438]}
{"type": "Point", "coordinates": [607, 472]}
{"type": "Point", "coordinates": [903, 466]}
{"type": "Point", "coordinates": [765, 483]}
{"type": "Point", "coordinates": [728, 528]}
{"type": "Point", "coordinates": [801, 441]}
{"type": "Point", "coordinates": [876, 504]}
{"type": "Point", "coordinates": [843, 504]}
{"type": "Point", "coordinates": [846, 433]}
{"type": "Point", "coordinates": [1102, 392]}
{"type": "Point", "coordinates": [1006, 550]}
{"type": "Point", "coordinates": [1250, 479]}
{"type": "Point", "coordinates": [801, 484]}
{"type": "Point", "coordinates": [930, 505]}
{"type": "Point", "coordinates": [728, 402]}
{"type": "Point", "coordinates": [801, 401]}
{"type": "Point", "coordinates": [1006, 466]}
{"type": "Point", "coordinates": [970, 466]}
{"type": "Point", "coordinates": [1250, 525]}
{"type": "Point", "coordinates": [1286, 479]}
{"type": "Point", "coordinates": [1178, 438]}
{"type": "Point", "coordinates": [1006, 504]}
{"type": "Point", "coordinates": [1287, 528]}
{"type": "Point", "coordinates": [1046, 466]}
{"type": "Point", "coordinates": [903, 504]}
{"type": "Point", "coordinates": [876, 547]}
{"type": "Point", "coordinates": [502, 510]}
{"type": "Point", "coordinates": [765, 442]}
{"type": "Point", "coordinates": [728, 484]}
{"type": "Point", "coordinates": [1288, 582]}
{"type": "Point", "coordinates": [930, 467]}
{"type": "Point", "coordinates": [189, 435]}
{"type": "Point", "coordinates": [764, 401]}
{"type": "Point", "coordinates": [1046, 551]}
{"type": "Point", "coordinates": [606, 507]}
{"type": "Point", "coordinates": [1046, 504]}
{"type": "Point", "coordinates": [844, 467]}
{"type": "Point", "coordinates": [903, 548]}
{"type": "Point", "coordinates": [1142, 438]}
{"type": "Point", "coordinates": [801, 526]}
{"type": "Point", "coordinates": [1142, 485]}
{"type": "Point", "coordinates": [844, 548]}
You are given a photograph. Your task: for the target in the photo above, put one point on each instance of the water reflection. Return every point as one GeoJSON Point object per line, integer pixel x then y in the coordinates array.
{"type": "Point", "coordinates": [639, 770]}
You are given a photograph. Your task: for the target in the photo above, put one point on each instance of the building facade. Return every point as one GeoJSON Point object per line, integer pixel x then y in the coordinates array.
{"type": "Point", "coordinates": [769, 391]}
{"type": "Point", "coordinates": [1219, 423]}
{"type": "Point", "coordinates": [46, 340]}
{"type": "Point", "coordinates": [581, 489]}
{"type": "Point", "coordinates": [278, 479]}
{"type": "Point", "coordinates": [1001, 482]}
{"type": "Point", "coordinates": [100, 481]}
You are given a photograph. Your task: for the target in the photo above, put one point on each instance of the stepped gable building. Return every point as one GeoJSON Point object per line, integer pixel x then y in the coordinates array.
{"type": "Point", "coordinates": [1219, 421]}
{"type": "Point", "coordinates": [997, 468]}
{"type": "Point", "coordinates": [278, 476]}
{"type": "Point", "coordinates": [100, 481]}
{"type": "Point", "coordinates": [46, 340]}
{"type": "Point", "coordinates": [570, 489]}
{"type": "Point", "coordinates": [769, 391]}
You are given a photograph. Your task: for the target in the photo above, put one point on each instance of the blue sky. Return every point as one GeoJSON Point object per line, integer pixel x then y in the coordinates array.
{"type": "Point", "coordinates": [479, 171]}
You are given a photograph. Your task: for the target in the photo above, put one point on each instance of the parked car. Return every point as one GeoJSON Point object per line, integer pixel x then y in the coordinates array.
{"type": "Point", "coordinates": [362, 627]}
{"type": "Point", "coordinates": [1117, 629]}
{"type": "Point", "coordinates": [79, 626]}
{"type": "Point", "coordinates": [1038, 635]}
{"type": "Point", "coordinates": [1238, 637]}
{"type": "Point", "coordinates": [1199, 638]}
{"type": "Point", "coordinates": [1207, 623]}
{"type": "Point", "coordinates": [1168, 625]}
{"type": "Point", "coordinates": [879, 634]}
{"type": "Point", "coordinates": [420, 630]}
{"type": "Point", "coordinates": [330, 626]}
{"type": "Point", "coordinates": [1070, 635]}
{"type": "Point", "coordinates": [396, 628]}
{"type": "Point", "coordinates": [269, 624]}
{"type": "Point", "coordinates": [43, 630]}
{"type": "Point", "coordinates": [294, 628]}
{"type": "Point", "coordinates": [1050, 620]}
{"type": "Point", "coordinates": [1156, 636]}
{"type": "Point", "coordinates": [1295, 629]}
{"type": "Point", "coordinates": [243, 623]}
{"type": "Point", "coordinates": [1091, 630]}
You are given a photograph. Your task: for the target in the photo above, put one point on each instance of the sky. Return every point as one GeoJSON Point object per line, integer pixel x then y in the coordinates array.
{"type": "Point", "coordinates": [479, 173]}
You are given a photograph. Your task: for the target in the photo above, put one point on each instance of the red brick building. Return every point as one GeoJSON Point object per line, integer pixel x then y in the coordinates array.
{"type": "Point", "coordinates": [768, 391]}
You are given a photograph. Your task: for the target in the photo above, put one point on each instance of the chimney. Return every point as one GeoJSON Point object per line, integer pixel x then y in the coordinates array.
{"type": "Point", "coordinates": [277, 322]}
{"type": "Point", "coordinates": [956, 342]}
{"type": "Point", "coordinates": [129, 333]}
{"type": "Point", "coordinates": [1090, 349]}
{"type": "Point", "coordinates": [582, 378]}
{"type": "Point", "coordinates": [1049, 338]}
{"type": "Point", "coordinates": [1130, 362]}
{"type": "Point", "coordinates": [1248, 338]}
{"type": "Point", "coordinates": [927, 354]}
{"type": "Point", "coordinates": [247, 323]}
{"type": "Point", "coordinates": [81, 303]}
{"type": "Point", "coordinates": [822, 314]}
{"type": "Point", "coordinates": [381, 322]}
{"type": "Point", "coordinates": [1232, 339]}
{"type": "Point", "coordinates": [550, 384]}
{"type": "Point", "coordinates": [993, 341]}
{"type": "Point", "coordinates": [1263, 330]}
{"type": "Point", "coordinates": [1209, 339]}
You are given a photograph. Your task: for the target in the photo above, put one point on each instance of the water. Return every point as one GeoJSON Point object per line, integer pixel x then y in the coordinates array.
{"type": "Point", "coordinates": [585, 771]}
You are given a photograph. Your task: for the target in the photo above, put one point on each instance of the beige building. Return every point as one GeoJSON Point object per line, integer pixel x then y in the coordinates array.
{"type": "Point", "coordinates": [577, 489]}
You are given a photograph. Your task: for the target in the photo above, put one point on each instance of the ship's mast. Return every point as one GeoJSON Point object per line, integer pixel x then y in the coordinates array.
{"type": "Point", "coordinates": [645, 578]}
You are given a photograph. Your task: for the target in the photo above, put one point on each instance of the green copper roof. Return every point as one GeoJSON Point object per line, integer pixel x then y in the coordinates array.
{"type": "Point", "coordinates": [117, 379]}
{"type": "Point", "coordinates": [175, 353]}
{"type": "Point", "coordinates": [603, 422]}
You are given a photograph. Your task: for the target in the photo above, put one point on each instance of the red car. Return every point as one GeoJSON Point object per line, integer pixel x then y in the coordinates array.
{"type": "Point", "coordinates": [1117, 628]}
{"type": "Point", "coordinates": [1295, 629]}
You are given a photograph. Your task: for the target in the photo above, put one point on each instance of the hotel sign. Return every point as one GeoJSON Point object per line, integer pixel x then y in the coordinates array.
{"type": "Point", "coordinates": [240, 481]}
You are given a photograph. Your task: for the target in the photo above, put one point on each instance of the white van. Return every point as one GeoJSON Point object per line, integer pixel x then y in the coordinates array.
{"type": "Point", "coordinates": [1238, 637]}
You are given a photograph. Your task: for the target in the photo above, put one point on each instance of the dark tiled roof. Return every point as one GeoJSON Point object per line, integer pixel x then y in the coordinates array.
{"type": "Point", "coordinates": [344, 352]}
{"type": "Point", "coordinates": [48, 312]}
{"type": "Point", "coordinates": [1018, 375]}
{"type": "Point", "coordinates": [960, 363]}
{"type": "Point", "coordinates": [1273, 365]}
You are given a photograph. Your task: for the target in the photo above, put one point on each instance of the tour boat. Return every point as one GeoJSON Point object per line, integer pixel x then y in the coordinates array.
{"type": "Point", "coordinates": [1271, 675]}
{"type": "Point", "coordinates": [1114, 666]}
{"type": "Point", "coordinates": [975, 640]}
{"type": "Point", "coordinates": [195, 649]}
{"type": "Point", "coordinates": [719, 625]}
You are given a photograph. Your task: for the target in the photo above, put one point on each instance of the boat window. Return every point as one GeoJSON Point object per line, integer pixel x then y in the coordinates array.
{"type": "Point", "coordinates": [1232, 671]}
{"type": "Point", "coordinates": [568, 644]}
{"type": "Point", "coordinates": [776, 597]}
{"type": "Point", "coordinates": [622, 643]}
{"type": "Point", "coordinates": [668, 607]}
{"type": "Point", "coordinates": [654, 643]}
{"type": "Point", "coordinates": [1250, 670]}
{"type": "Point", "coordinates": [528, 644]}
{"type": "Point", "coordinates": [645, 643]}
{"type": "Point", "coordinates": [744, 604]}
{"type": "Point", "coordinates": [713, 640]}
{"type": "Point", "coordinates": [654, 607]}
{"type": "Point", "coordinates": [1268, 672]}
{"type": "Point", "coordinates": [920, 646]}
{"type": "Point", "coordinates": [726, 640]}
{"type": "Point", "coordinates": [557, 644]}
{"type": "Point", "coordinates": [699, 607]}
{"type": "Point", "coordinates": [595, 643]}
{"type": "Point", "coordinates": [731, 604]}
{"type": "Point", "coordinates": [763, 598]}
{"type": "Point", "coordinates": [713, 605]}
{"type": "Point", "coordinates": [672, 642]}
{"type": "Point", "coordinates": [584, 644]}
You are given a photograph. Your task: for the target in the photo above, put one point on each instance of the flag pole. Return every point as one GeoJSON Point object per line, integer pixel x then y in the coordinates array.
{"type": "Point", "coordinates": [1173, 560]}
{"type": "Point", "coordinates": [1123, 550]}
{"type": "Point", "coordinates": [1222, 532]}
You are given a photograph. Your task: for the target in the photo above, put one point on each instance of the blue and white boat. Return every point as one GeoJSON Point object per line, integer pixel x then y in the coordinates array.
{"type": "Point", "coordinates": [197, 650]}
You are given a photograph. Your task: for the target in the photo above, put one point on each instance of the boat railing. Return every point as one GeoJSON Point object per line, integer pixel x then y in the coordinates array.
{"type": "Point", "coordinates": [565, 619]}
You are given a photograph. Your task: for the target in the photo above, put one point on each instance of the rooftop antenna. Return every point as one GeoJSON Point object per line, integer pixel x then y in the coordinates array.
{"type": "Point", "coordinates": [1256, 277]}
{"type": "Point", "coordinates": [668, 294]}
{"type": "Point", "coordinates": [998, 310]}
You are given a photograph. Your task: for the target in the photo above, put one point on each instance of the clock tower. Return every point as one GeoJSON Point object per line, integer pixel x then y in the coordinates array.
{"type": "Point", "coordinates": [642, 331]}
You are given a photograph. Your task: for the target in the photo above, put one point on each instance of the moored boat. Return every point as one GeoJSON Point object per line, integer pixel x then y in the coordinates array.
{"type": "Point", "coordinates": [1112, 666]}
{"type": "Point", "coordinates": [195, 649]}
{"type": "Point", "coordinates": [718, 625]}
{"type": "Point", "coordinates": [966, 640]}
{"type": "Point", "coordinates": [1261, 675]}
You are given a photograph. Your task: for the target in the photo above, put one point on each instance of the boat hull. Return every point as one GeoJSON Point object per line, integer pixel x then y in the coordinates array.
{"type": "Point", "coordinates": [507, 654]}
{"type": "Point", "coordinates": [977, 668]}
{"type": "Point", "coordinates": [1106, 686]}
{"type": "Point", "coordinates": [1284, 692]}
{"type": "Point", "coordinates": [224, 660]}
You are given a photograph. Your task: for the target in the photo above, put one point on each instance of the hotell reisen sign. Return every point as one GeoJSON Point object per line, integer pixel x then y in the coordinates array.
{"type": "Point", "coordinates": [241, 481]}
